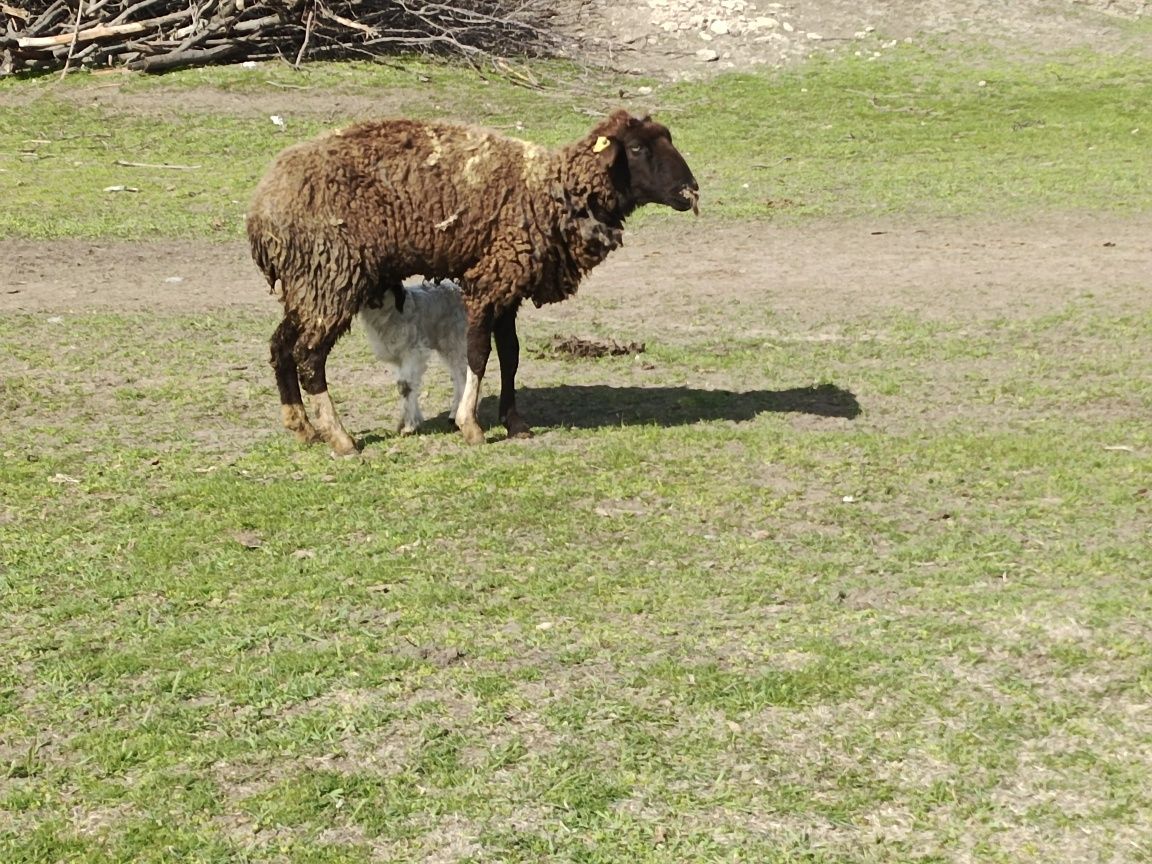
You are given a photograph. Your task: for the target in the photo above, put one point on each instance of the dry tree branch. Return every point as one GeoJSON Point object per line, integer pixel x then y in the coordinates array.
{"type": "Point", "coordinates": [307, 33]}
{"type": "Point", "coordinates": [99, 31]}
{"type": "Point", "coordinates": [164, 34]}
{"type": "Point", "coordinates": [72, 44]}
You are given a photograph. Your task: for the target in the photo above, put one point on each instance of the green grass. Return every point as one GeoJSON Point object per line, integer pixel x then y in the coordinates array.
{"type": "Point", "coordinates": [640, 641]}
{"type": "Point", "coordinates": [912, 132]}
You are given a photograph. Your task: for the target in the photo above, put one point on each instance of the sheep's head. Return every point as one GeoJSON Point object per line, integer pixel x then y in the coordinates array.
{"type": "Point", "coordinates": [645, 167]}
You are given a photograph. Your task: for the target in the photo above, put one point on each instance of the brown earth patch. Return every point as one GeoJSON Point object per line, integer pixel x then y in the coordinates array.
{"type": "Point", "coordinates": [683, 276]}
{"type": "Point", "coordinates": [118, 92]}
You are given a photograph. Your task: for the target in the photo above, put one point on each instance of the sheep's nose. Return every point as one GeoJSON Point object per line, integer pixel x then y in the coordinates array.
{"type": "Point", "coordinates": [692, 195]}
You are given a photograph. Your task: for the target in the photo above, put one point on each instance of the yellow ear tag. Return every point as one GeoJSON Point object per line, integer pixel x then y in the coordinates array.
{"type": "Point", "coordinates": [601, 145]}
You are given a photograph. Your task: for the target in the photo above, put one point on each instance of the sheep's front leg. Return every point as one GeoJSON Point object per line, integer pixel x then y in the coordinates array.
{"type": "Point", "coordinates": [508, 350]}
{"type": "Point", "coordinates": [458, 369]}
{"type": "Point", "coordinates": [479, 347]}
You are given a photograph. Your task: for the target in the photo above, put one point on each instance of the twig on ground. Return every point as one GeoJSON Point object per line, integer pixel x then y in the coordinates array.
{"type": "Point", "coordinates": [164, 165]}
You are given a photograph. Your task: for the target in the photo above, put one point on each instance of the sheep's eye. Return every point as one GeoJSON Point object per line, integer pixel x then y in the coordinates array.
{"type": "Point", "coordinates": [637, 149]}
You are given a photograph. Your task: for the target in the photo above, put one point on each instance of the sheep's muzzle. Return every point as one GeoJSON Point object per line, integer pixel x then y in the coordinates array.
{"type": "Point", "coordinates": [693, 196]}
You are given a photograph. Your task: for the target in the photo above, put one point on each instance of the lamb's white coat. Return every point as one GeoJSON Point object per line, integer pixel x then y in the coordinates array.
{"type": "Point", "coordinates": [433, 321]}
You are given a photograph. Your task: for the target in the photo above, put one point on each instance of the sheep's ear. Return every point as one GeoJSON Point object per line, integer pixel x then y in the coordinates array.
{"type": "Point", "coordinates": [608, 149]}
{"type": "Point", "coordinates": [619, 118]}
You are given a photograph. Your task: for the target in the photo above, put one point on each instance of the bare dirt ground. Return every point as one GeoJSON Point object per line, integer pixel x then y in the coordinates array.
{"type": "Point", "coordinates": [685, 39]}
{"type": "Point", "coordinates": [679, 275]}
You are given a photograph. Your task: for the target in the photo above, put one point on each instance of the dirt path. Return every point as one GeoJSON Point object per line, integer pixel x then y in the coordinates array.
{"type": "Point", "coordinates": [669, 272]}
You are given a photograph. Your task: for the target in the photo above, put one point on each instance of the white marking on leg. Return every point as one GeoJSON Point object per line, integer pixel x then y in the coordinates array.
{"type": "Point", "coordinates": [466, 420]}
{"type": "Point", "coordinates": [329, 426]}
{"type": "Point", "coordinates": [470, 399]}
{"type": "Point", "coordinates": [459, 374]}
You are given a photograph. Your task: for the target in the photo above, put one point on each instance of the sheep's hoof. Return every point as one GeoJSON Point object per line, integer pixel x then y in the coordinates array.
{"type": "Point", "coordinates": [307, 435]}
{"type": "Point", "coordinates": [516, 427]}
{"type": "Point", "coordinates": [473, 434]}
{"type": "Point", "coordinates": [296, 422]}
{"type": "Point", "coordinates": [342, 445]}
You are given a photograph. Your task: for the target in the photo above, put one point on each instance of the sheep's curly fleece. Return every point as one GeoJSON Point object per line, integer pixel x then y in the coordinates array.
{"type": "Point", "coordinates": [340, 220]}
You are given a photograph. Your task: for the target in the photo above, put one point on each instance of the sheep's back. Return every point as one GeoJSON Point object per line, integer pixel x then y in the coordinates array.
{"type": "Point", "coordinates": [393, 198]}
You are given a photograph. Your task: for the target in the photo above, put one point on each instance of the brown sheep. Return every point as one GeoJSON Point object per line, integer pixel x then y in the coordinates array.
{"type": "Point", "coordinates": [338, 222]}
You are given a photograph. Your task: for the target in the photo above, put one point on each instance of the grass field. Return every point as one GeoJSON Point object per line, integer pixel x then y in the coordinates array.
{"type": "Point", "coordinates": [909, 134]}
{"type": "Point", "coordinates": [881, 597]}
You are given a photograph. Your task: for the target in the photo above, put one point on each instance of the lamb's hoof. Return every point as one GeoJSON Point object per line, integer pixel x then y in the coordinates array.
{"type": "Point", "coordinates": [472, 433]}
{"type": "Point", "coordinates": [516, 427]}
{"type": "Point", "coordinates": [405, 430]}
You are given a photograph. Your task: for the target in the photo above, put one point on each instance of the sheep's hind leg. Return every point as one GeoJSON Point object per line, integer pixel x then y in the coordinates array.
{"type": "Point", "coordinates": [508, 350]}
{"type": "Point", "coordinates": [479, 347]}
{"type": "Point", "coordinates": [311, 360]}
{"type": "Point", "coordinates": [287, 381]}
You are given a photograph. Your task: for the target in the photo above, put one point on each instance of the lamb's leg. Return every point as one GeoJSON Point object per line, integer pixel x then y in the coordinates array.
{"type": "Point", "coordinates": [479, 347]}
{"type": "Point", "coordinates": [291, 405]}
{"type": "Point", "coordinates": [409, 376]}
{"type": "Point", "coordinates": [311, 357]}
{"type": "Point", "coordinates": [508, 350]}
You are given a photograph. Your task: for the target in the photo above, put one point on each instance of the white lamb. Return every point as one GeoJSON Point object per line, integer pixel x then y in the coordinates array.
{"type": "Point", "coordinates": [433, 320]}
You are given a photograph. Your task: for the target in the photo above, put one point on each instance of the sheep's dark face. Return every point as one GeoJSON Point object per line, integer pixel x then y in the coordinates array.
{"type": "Point", "coordinates": [646, 168]}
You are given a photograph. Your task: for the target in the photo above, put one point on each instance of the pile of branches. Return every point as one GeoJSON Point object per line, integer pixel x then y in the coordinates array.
{"type": "Point", "coordinates": [157, 35]}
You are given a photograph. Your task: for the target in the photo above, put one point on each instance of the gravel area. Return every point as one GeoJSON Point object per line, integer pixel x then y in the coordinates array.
{"type": "Point", "coordinates": [681, 39]}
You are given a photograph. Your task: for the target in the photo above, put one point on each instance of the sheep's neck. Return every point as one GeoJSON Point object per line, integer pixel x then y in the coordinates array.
{"type": "Point", "coordinates": [591, 206]}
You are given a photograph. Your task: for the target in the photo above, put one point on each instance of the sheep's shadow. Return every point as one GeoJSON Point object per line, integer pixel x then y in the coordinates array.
{"type": "Point", "coordinates": [597, 406]}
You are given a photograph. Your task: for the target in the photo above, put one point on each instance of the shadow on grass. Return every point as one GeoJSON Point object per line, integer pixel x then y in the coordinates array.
{"type": "Point", "coordinates": [598, 405]}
